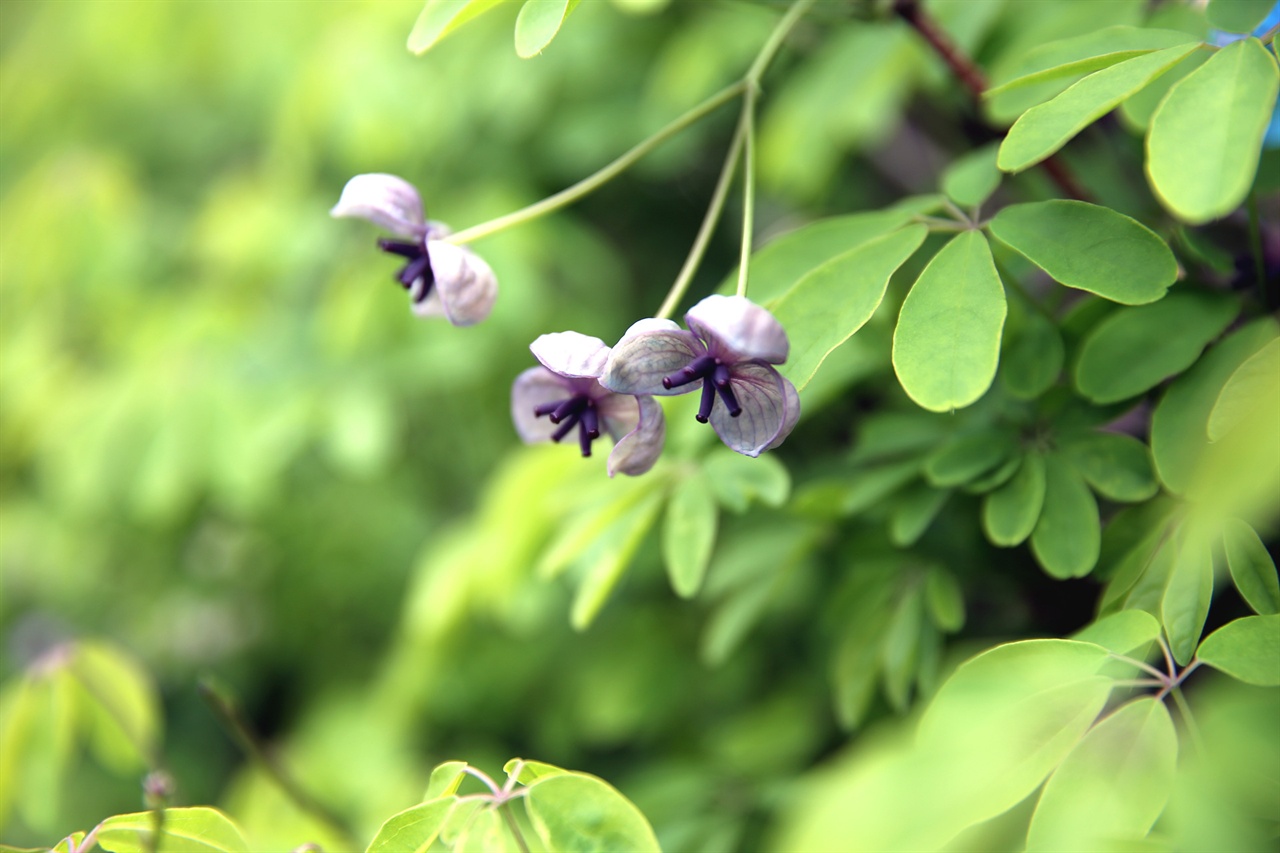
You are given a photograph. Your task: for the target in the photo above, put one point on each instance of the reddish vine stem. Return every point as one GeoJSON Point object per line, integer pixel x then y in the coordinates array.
{"type": "Point", "coordinates": [973, 79]}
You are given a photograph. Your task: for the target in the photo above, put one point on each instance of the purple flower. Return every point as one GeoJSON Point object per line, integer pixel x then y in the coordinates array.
{"type": "Point", "coordinates": [548, 402]}
{"type": "Point", "coordinates": [731, 347]}
{"type": "Point", "coordinates": [443, 280]}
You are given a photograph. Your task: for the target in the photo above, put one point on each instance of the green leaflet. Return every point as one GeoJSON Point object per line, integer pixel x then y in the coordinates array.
{"type": "Point", "coordinates": [1122, 632]}
{"type": "Point", "coordinates": [737, 480]}
{"type": "Point", "coordinates": [1134, 349]}
{"type": "Point", "coordinates": [124, 732]}
{"type": "Point", "coordinates": [1068, 536]}
{"type": "Point", "coordinates": [575, 811]}
{"type": "Point", "coordinates": [972, 178]}
{"type": "Point", "coordinates": [1206, 136]}
{"type": "Point", "coordinates": [190, 830]}
{"type": "Point", "coordinates": [1117, 466]}
{"type": "Point", "coordinates": [610, 557]}
{"type": "Point", "coordinates": [835, 299]}
{"type": "Point", "coordinates": [947, 341]}
{"type": "Point", "coordinates": [962, 458]}
{"type": "Point", "coordinates": [945, 599]}
{"type": "Point", "coordinates": [1010, 513]}
{"type": "Point", "coordinates": [856, 661]}
{"type": "Point", "coordinates": [915, 511]}
{"type": "Point", "coordinates": [1089, 247]}
{"type": "Point", "coordinates": [1179, 424]}
{"type": "Point", "coordinates": [441, 17]}
{"type": "Point", "coordinates": [901, 648]}
{"type": "Point", "coordinates": [1033, 356]}
{"type": "Point", "coordinates": [1253, 386]}
{"type": "Point", "coordinates": [689, 533]}
{"type": "Point", "coordinates": [1113, 785]}
{"type": "Point", "coordinates": [1238, 16]}
{"type": "Point", "coordinates": [538, 23]}
{"type": "Point", "coordinates": [1042, 130]}
{"type": "Point", "coordinates": [1252, 569]}
{"type": "Point", "coordinates": [1247, 649]}
{"type": "Point", "coordinates": [415, 829]}
{"type": "Point", "coordinates": [1185, 603]}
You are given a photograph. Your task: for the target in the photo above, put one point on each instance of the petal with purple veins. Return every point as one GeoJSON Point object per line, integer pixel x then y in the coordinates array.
{"type": "Point", "coordinates": [535, 387]}
{"type": "Point", "coordinates": [760, 392]}
{"type": "Point", "coordinates": [737, 329]}
{"type": "Point", "coordinates": [641, 359]}
{"type": "Point", "coordinates": [571, 354]}
{"type": "Point", "coordinates": [465, 287]}
{"type": "Point", "coordinates": [792, 398]}
{"type": "Point", "coordinates": [638, 428]}
{"type": "Point", "coordinates": [384, 200]}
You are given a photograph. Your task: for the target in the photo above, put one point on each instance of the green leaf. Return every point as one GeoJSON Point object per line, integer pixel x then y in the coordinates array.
{"type": "Point", "coordinates": [1134, 349]}
{"type": "Point", "coordinates": [1117, 466]}
{"type": "Point", "coordinates": [965, 457]}
{"type": "Point", "coordinates": [1041, 131]}
{"type": "Point", "coordinates": [1238, 16]}
{"type": "Point", "coordinates": [1206, 136]}
{"type": "Point", "coordinates": [1252, 568]}
{"type": "Point", "coordinates": [1033, 357]}
{"type": "Point", "coordinates": [1122, 632]}
{"type": "Point", "coordinates": [835, 299]}
{"type": "Point", "coordinates": [901, 647]}
{"type": "Point", "coordinates": [947, 342]}
{"type": "Point", "coordinates": [1247, 649]}
{"type": "Point", "coordinates": [574, 811]}
{"type": "Point", "coordinates": [856, 662]}
{"type": "Point", "coordinates": [441, 17]}
{"type": "Point", "coordinates": [538, 23]}
{"type": "Point", "coordinates": [576, 537]}
{"type": "Point", "coordinates": [737, 480]}
{"type": "Point", "coordinates": [1113, 785]}
{"type": "Point", "coordinates": [945, 599]}
{"type": "Point", "coordinates": [188, 830]}
{"type": "Point", "coordinates": [1179, 424]}
{"type": "Point", "coordinates": [1089, 247]}
{"type": "Point", "coordinates": [784, 261]}
{"type": "Point", "coordinates": [914, 513]}
{"type": "Point", "coordinates": [971, 179]}
{"type": "Point", "coordinates": [1010, 513]}
{"type": "Point", "coordinates": [610, 557]}
{"type": "Point", "coordinates": [689, 534]}
{"type": "Point", "coordinates": [531, 770]}
{"type": "Point", "coordinates": [445, 779]}
{"type": "Point", "coordinates": [483, 832]}
{"type": "Point", "coordinates": [123, 706]}
{"type": "Point", "coordinates": [414, 829]}
{"type": "Point", "coordinates": [855, 492]}
{"type": "Point", "coordinates": [1252, 386]}
{"type": "Point", "coordinates": [1187, 595]}
{"type": "Point", "coordinates": [996, 477]}
{"type": "Point", "coordinates": [1068, 536]}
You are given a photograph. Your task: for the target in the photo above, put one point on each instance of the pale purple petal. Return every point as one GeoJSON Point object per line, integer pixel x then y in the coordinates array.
{"type": "Point", "coordinates": [384, 200]}
{"type": "Point", "coordinates": [533, 388]}
{"type": "Point", "coordinates": [651, 324]}
{"type": "Point", "coordinates": [465, 287]}
{"type": "Point", "coordinates": [793, 413]}
{"type": "Point", "coordinates": [640, 360]}
{"type": "Point", "coordinates": [571, 354]}
{"type": "Point", "coordinates": [760, 393]}
{"type": "Point", "coordinates": [638, 429]}
{"type": "Point", "coordinates": [737, 329]}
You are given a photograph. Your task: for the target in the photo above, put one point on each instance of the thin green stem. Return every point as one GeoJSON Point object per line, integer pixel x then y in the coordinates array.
{"type": "Point", "coordinates": [765, 56]}
{"type": "Point", "coordinates": [514, 827]}
{"type": "Point", "coordinates": [1192, 728]}
{"type": "Point", "coordinates": [709, 220]}
{"type": "Point", "coordinates": [603, 176]}
{"type": "Point", "coordinates": [748, 184]}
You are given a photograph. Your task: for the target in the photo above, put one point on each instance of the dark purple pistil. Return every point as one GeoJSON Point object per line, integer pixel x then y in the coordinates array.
{"type": "Point", "coordinates": [578, 410]}
{"type": "Point", "coordinates": [715, 380]}
{"type": "Point", "coordinates": [417, 267]}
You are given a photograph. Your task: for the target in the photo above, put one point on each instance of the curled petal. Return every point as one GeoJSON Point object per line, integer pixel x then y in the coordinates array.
{"type": "Point", "coordinates": [638, 429]}
{"type": "Point", "coordinates": [737, 329]}
{"type": "Point", "coordinates": [792, 399]}
{"type": "Point", "coordinates": [465, 287]}
{"type": "Point", "coordinates": [571, 354]}
{"type": "Point", "coordinates": [384, 200]}
{"type": "Point", "coordinates": [640, 360]}
{"type": "Point", "coordinates": [761, 394]}
{"type": "Point", "coordinates": [532, 388]}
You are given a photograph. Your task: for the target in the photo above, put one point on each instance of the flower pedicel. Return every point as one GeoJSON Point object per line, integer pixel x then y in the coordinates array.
{"type": "Point", "coordinates": [731, 347]}
{"type": "Point", "coordinates": [443, 280]}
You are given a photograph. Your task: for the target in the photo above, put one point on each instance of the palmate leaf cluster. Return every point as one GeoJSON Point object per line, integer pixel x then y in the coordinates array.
{"type": "Point", "coordinates": [1034, 337]}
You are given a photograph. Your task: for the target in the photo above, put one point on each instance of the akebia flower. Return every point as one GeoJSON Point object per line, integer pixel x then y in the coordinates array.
{"type": "Point", "coordinates": [729, 351]}
{"type": "Point", "coordinates": [443, 280]}
{"type": "Point", "coordinates": [550, 402]}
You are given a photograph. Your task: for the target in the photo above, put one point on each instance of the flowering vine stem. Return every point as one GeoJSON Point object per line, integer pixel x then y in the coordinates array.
{"type": "Point", "coordinates": [595, 181]}
{"type": "Point", "coordinates": [973, 79]}
{"type": "Point", "coordinates": [1169, 683]}
{"type": "Point", "coordinates": [499, 797]}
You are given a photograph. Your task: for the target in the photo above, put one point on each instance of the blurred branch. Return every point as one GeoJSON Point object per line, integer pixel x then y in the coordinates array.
{"type": "Point", "coordinates": [229, 714]}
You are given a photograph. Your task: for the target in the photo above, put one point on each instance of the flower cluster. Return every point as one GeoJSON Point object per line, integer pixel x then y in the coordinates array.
{"type": "Point", "coordinates": [443, 280]}
{"type": "Point", "coordinates": [728, 351]}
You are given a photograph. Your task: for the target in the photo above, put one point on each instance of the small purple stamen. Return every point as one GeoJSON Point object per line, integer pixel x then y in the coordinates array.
{"type": "Point", "coordinates": [417, 268]}
{"type": "Point", "coordinates": [730, 401]}
{"type": "Point", "coordinates": [708, 400]}
{"type": "Point", "coordinates": [578, 410]}
{"type": "Point", "coordinates": [591, 422]}
{"type": "Point", "coordinates": [700, 368]}
{"type": "Point", "coordinates": [572, 406]}
{"type": "Point", "coordinates": [568, 424]}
